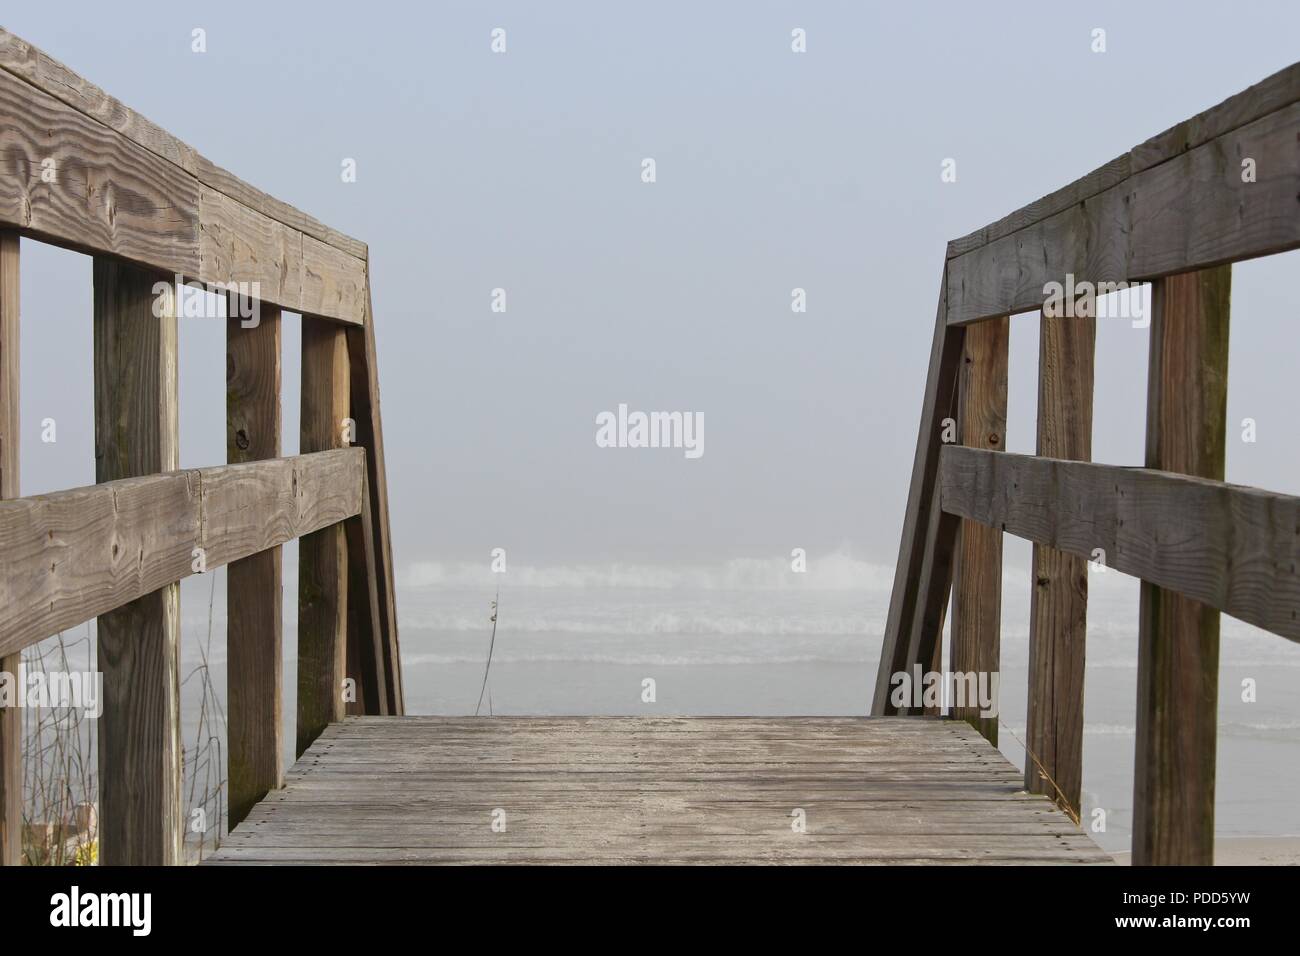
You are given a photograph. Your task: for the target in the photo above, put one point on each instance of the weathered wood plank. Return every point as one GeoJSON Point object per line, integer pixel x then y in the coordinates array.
{"type": "Point", "coordinates": [925, 546]}
{"type": "Point", "coordinates": [933, 588]}
{"type": "Point", "coordinates": [1271, 94]}
{"type": "Point", "coordinates": [1189, 213]}
{"type": "Point", "coordinates": [70, 180]}
{"type": "Point", "coordinates": [1058, 607]}
{"type": "Point", "coordinates": [267, 205]}
{"type": "Point", "coordinates": [323, 554]}
{"type": "Point", "coordinates": [42, 71]}
{"type": "Point", "coordinates": [370, 435]}
{"type": "Point", "coordinates": [74, 554]}
{"type": "Point", "coordinates": [1236, 547]}
{"type": "Point", "coordinates": [138, 644]}
{"type": "Point", "coordinates": [254, 592]}
{"type": "Point", "coordinates": [238, 245]}
{"type": "Point", "coordinates": [674, 856]}
{"type": "Point", "coordinates": [632, 790]}
{"type": "Point", "coordinates": [1178, 642]}
{"type": "Point", "coordinates": [80, 170]}
{"type": "Point", "coordinates": [365, 640]}
{"type": "Point", "coordinates": [333, 282]}
{"type": "Point", "coordinates": [11, 718]}
{"type": "Point", "coordinates": [977, 569]}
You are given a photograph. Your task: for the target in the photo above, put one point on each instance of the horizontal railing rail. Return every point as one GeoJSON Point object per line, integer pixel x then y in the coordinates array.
{"type": "Point", "coordinates": [73, 555]}
{"type": "Point", "coordinates": [1231, 547]}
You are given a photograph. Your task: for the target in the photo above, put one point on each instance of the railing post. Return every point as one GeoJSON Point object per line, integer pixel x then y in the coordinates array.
{"type": "Point", "coordinates": [365, 655]}
{"type": "Point", "coordinates": [370, 435]}
{"type": "Point", "coordinates": [254, 595]}
{"type": "Point", "coordinates": [11, 718]}
{"type": "Point", "coordinates": [138, 643]}
{"type": "Point", "coordinates": [1058, 604]}
{"type": "Point", "coordinates": [977, 573]}
{"type": "Point", "coordinates": [923, 576]}
{"type": "Point", "coordinates": [1178, 644]}
{"type": "Point", "coordinates": [322, 555]}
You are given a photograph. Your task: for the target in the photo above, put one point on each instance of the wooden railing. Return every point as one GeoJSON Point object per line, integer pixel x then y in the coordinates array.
{"type": "Point", "coordinates": [80, 170]}
{"type": "Point", "coordinates": [1175, 211]}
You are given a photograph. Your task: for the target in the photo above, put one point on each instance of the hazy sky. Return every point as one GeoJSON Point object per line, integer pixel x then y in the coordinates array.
{"type": "Point", "coordinates": [775, 170]}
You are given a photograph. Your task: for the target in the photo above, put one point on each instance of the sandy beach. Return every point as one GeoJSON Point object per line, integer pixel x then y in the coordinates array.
{"type": "Point", "coordinates": [1247, 851]}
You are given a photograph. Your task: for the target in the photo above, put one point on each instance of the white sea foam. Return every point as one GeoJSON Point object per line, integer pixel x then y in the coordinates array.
{"type": "Point", "coordinates": [834, 571]}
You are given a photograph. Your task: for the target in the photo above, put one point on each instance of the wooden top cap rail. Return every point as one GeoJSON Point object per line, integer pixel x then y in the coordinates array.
{"type": "Point", "coordinates": [1234, 548]}
{"type": "Point", "coordinates": [123, 186]}
{"type": "Point", "coordinates": [1176, 203]}
{"type": "Point", "coordinates": [72, 555]}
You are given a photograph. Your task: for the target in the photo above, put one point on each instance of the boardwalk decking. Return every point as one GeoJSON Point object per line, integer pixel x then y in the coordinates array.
{"type": "Point", "coordinates": [654, 790]}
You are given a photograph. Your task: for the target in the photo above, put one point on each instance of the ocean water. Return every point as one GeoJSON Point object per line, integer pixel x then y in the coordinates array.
{"type": "Point", "coordinates": [752, 638]}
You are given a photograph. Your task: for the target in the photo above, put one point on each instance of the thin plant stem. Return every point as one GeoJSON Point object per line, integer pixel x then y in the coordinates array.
{"type": "Point", "coordinates": [491, 644]}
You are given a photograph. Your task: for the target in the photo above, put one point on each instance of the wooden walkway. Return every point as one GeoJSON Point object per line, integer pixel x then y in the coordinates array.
{"type": "Point", "coordinates": [654, 790]}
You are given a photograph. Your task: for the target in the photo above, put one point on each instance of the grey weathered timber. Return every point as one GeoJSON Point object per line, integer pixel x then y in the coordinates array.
{"type": "Point", "coordinates": [1178, 638]}
{"type": "Point", "coordinates": [1267, 96]}
{"type": "Point", "coordinates": [1187, 213]}
{"type": "Point", "coordinates": [137, 644]}
{"type": "Point", "coordinates": [74, 554]}
{"type": "Point", "coordinates": [364, 387]}
{"type": "Point", "coordinates": [366, 646]}
{"type": "Point", "coordinates": [922, 578]}
{"type": "Point", "coordinates": [50, 76]}
{"type": "Point", "coordinates": [254, 591]}
{"type": "Point", "coordinates": [125, 187]}
{"type": "Point", "coordinates": [323, 554]}
{"type": "Point", "coordinates": [977, 568]}
{"type": "Point", "coordinates": [933, 587]}
{"type": "Point", "coordinates": [426, 790]}
{"type": "Point", "coordinates": [1058, 607]}
{"type": "Point", "coordinates": [1237, 549]}
{"type": "Point", "coordinates": [11, 718]}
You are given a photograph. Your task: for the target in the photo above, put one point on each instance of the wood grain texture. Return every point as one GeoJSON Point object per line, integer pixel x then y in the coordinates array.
{"type": "Point", "coordinates": [934, 589]}
{"type": "Point", "coordinates": [368, 416]}
{"type": "Point", "coordinates": [922, 539]}
{"type": "Point", "coordinates": [322, 555]}
{"type": "Point", "coordinates": [1188, 213]}
{"type": "Point", "coordinates": [365, 640]}
{"type": "Point", "coordinates": [977, 569]}
{"type": "Point", "coordinates": [1271, 94]}
{"type": "Point", "coordinates": [34, 66]}
{"type": "Point", "coordinates": [70, 180]}
{"type": "Point", "coordinates": [1178, 642]}
{"type": "Point", "coordinates": [423, 790]}
{"type": "Point", "coordinates": [238, 245]}
{"type": "Point", "coordinates": [80, 170]}
{"type": "Point", "coordinates": [137, 644]}
{"type": "Point", "coordinates": [1228, 546]}
{"type": "Point", "coordinates": [1058, 607]}
{"type": "Point", "coordinates": [74, 554]}
{"type": "Point", "coordinates": [333, 283]}
{"type": "Point", "coordinates": [11, 718]}
{"type": "Point", "coordinates": [254, 585]}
